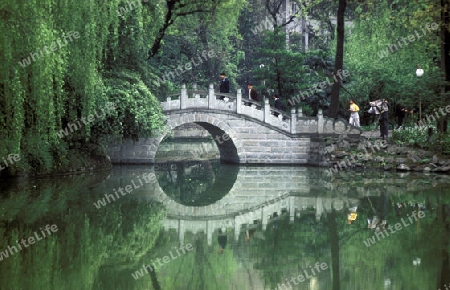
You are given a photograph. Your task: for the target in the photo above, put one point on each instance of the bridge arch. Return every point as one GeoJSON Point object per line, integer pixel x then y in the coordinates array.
{"type": "Point", "coordinates": [226, 138]}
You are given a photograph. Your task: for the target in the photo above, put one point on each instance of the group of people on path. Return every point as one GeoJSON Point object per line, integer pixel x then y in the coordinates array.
{"type": "Point", "coordinates": [380, 107]}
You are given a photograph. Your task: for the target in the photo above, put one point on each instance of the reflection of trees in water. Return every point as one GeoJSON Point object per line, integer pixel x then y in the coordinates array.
{"type": "Point", "coordinates": [393, 255]}
{"type": "Point", "coordinates": [443, 221]}
{"type": "Point", "coordinates": [186, 182]}
{"type": "Point", "coordinates": [284, 251]}
{"type": "Point", "coordinates": [285, 248]}
{"type": "Point", "coordinates": [352, 265]}
{"type": "Point", "coordinates": [154, 279]}
{"type": "Point", "coordinates": [334, 249]}
{"type": "Point", "coordinates": [359, 184]}
{"type": "Point", "coordinates": [100, 248]}
{"type": "Point", "coordinates": [203, 268]}
{"type": "Point", "coordinates": [291, 247]}
{"type": "Point", "coordinates": [92, 249]}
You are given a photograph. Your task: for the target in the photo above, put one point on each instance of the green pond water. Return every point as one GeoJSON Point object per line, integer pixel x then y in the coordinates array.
{"type": "Point", "coordinates": [205, 225]}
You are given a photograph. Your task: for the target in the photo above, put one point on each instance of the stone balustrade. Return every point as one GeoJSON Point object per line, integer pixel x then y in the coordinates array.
{"type": "Point", "coordinates": [293, 123]}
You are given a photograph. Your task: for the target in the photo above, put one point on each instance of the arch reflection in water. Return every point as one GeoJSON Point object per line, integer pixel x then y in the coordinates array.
{"type": "Point", "coordinates": [240, 196]}
{"type": "Point", "coordinates": [196, 183]}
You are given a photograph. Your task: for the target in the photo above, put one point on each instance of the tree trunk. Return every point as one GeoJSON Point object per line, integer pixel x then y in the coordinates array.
{"type": "Point", "coordinates": [176, 8]}
{"type": "Point", "coordinates": [445, 41]}
{"type": "Point", "coordinates": [168, 20]}
{"type": "Point", "coordinates": [339, 60]}
{"type": "Point", "coordinates": [445, 58]}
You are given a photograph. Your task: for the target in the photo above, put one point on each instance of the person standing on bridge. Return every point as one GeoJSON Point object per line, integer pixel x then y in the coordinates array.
{"type": "Point", "coordinates": [224, 85]}
{"type": "Point", "coordinates": [276, 104]}
{"type": "Point", "coordinates": [252, 93]}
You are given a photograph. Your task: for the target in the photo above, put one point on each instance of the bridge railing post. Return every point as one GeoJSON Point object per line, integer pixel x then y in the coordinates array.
{"type": "Point", "coordinates": [266, 110]}
{"type": "Point", "coordinates": [238, 101]}
{"type": "Point", "coordinates": [169, 103]}
{"type": "Point", "coordinates": [293, 121]}
{"type": "Point", "coordinates": [320, 122]}
{"type": "Point", "coordinates": [211, 97]}
{"type": "Point", "coordinates": [183, 97]}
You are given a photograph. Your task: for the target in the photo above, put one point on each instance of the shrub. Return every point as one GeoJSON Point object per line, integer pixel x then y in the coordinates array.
{"type": "Point", "coordinates": [412, 136]}
{"type": "Point", "coordinates": [419, 137]}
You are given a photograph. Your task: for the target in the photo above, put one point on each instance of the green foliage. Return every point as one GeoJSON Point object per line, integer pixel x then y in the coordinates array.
{"type": "Point", "coordinates": [307, 110]}
{"type": "Point", "coordinates": [282, 69]}
{"type": "Point", "coordinates": [441, 144]}
{"type": "Point", "coordinates": [138, 111]}
{"type": "Point", "coordinates": [412, 136]}
{"type": "Point", "coordinates": [381, 70]}
{"type": "Point", "coordinates": [321, 10]}
{"type": "Point", "coordinates": [200, 268]}
{"type": "Point", "coordinates": [188, 38]}
{"type": "Point", "coordinates": [419, 137]}
{"type": "Point", "coordinates": [60, 87]}
{"type": "Point", "coordinates": [38, 151]}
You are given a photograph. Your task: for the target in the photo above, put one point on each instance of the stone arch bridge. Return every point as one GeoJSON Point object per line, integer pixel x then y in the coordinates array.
{"type": "Point", "coordinates": [246, 132]}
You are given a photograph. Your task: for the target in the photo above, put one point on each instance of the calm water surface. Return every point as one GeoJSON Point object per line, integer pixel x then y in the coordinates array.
{"type": "Point", "coordinates": [204, 225]}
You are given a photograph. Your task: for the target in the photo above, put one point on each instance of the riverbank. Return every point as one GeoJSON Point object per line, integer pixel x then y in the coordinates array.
{"type": "Point", "coordinates": [76, 161]}
{"type": "Point", "coordinates": [373, 152]}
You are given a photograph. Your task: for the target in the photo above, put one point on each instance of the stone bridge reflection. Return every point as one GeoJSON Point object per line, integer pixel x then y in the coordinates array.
{"type": "Point", "coordinates": [244, 196]}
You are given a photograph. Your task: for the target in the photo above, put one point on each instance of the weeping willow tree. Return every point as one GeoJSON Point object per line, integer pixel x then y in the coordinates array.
{"type": "Point", "coordinates": [57, 59]}
{"type": "Point", "coordinates": [42, 91]}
